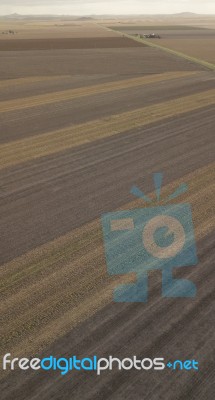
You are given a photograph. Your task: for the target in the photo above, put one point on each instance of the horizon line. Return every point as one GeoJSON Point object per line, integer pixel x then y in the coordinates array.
{"type": "Point", "coordinates": [106, 14]}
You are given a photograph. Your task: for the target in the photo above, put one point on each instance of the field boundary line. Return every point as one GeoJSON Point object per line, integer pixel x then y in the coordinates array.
{"type": "Point", "coordinates": [198, 61]}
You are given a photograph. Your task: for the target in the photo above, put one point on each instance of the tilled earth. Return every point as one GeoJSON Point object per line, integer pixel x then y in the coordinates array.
{"type": "Point", "coordinates": [72, 145]}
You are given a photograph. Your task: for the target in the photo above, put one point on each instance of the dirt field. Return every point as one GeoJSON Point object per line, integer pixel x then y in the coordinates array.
{"type": "Point", "coordinates": [170, 32]}
{"type": "Point", "coordinates": [195, 41]}
{"type": "Point", "coordinates": [79, 127]}
{"type": "Point", "coordinates": [200, 21]}
{"type": "Point", "coordinates": [65, 43]}
{"type": "Point", "coordinates": [79, 62]}
{"type": "Point", "coordinates": [30, 29]}
{"type": "Point", "coordinates": [201, 48]}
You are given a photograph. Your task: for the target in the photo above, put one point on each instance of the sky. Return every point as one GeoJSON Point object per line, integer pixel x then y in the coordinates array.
{"type": "Point", "coordinates": [88, 7]}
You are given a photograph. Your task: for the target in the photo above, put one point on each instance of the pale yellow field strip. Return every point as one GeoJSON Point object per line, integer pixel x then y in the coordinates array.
{"type": "Point", "coordinates": [51, 289]}
{"type": "Point", "coordinates": [71, 94]}
{"type": "Point", "coordinates": [30, 80]}
{"type": "Point", "coordinates": [42, 145]}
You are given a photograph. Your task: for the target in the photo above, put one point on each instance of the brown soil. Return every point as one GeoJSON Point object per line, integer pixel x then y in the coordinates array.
{"type": "Point", "coordinates": [55, 288]}
{"type": "Point", "coordinates": [67, 43]}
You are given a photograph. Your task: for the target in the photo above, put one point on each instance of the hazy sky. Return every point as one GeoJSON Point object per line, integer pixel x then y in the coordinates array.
{"type": "Point", "coordinates": [82, 7]}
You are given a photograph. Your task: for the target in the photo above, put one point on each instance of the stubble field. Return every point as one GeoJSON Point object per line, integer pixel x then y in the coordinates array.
{"type": "Point", "coordinates": [79, 127]}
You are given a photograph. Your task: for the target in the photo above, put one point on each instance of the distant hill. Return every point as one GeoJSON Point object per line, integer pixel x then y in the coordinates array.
{"type": "Point", "coordinates": [85, 19]}
{"type": "Point", "coordinates": [187, 15]}
{"type": "Point", "coordinates": [36, 17]}
{"type": "Point", "coordinates": [106, 16]}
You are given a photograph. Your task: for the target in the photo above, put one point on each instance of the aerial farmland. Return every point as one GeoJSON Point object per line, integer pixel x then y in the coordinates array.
{"type": "Point", "coordinates": [87, 110]}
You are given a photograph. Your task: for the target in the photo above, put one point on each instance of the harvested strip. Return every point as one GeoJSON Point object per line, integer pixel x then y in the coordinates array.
{"type": "Point", "coordinates": [19, 151]}
{"type": "Point", "coordinates": [32, 79]}
{"type": "Point", "coordinates": [36, 311]}
{"type": "Point", "coordinates": [34, 101]}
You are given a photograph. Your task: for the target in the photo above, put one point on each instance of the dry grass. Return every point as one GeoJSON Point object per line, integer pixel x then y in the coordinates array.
{"type": "Point", "coordinates": [28, 81]}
